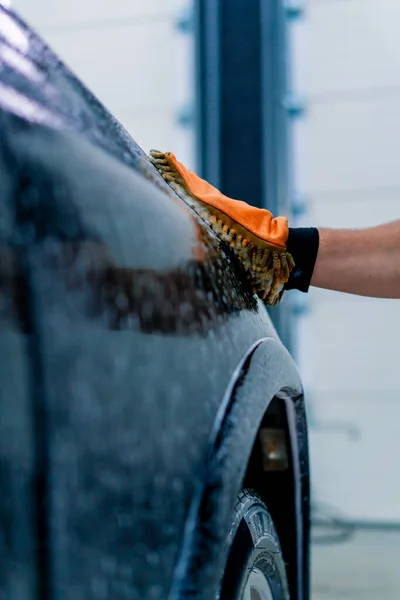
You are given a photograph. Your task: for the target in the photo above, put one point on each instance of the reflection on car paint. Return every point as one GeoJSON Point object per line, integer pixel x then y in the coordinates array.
{"type": "Point", "coordinates": [183, 300]}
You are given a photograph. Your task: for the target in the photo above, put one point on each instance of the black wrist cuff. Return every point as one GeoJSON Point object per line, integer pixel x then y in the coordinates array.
{"type": "Point", "coordinates": [303, 244]}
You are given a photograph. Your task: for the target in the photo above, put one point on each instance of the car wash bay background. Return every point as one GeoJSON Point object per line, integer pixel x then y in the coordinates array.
{"type": "Point", "coordinates": [344, 122]}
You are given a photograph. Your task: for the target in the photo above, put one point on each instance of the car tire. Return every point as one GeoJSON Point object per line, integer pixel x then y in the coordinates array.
{"type": "Point", "coordinates": [255, 569]}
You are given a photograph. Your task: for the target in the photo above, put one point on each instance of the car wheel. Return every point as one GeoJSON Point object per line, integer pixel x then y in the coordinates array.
{"type": "Point", "coordinates": [255, 569]}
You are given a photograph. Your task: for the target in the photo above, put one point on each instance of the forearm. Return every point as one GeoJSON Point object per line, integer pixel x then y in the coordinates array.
{"type": "Point", "coordinates": [364, 262]}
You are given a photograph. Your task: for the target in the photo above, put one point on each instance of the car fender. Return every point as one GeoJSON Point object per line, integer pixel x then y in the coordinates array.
{"type": "Point", "coordinates": [265, 372]}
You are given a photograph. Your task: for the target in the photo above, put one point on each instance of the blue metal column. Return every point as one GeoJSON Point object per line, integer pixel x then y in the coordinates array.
{"type": "Point", "coordinates": [242, 107]}
{"type": "Point", "coordinates": [229, 96]}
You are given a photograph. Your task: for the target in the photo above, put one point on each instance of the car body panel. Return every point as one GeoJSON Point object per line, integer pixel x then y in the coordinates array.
{"type": "Point", "coordinates": [136, 338]}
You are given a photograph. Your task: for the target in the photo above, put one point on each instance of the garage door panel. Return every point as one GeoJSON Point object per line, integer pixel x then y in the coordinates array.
{"type": "Point", "coordinates": [47, 14]}
{"type": "Point", "coordinates": [126, 66]}
{"type": "Point", "coordinates": [351, 145]}
{"type": "Point", "coordinates": [366, 208]}
{"type": "Point", "coordinates": [356, 345]}
{"type": "Point", "coordinates": [355, 467]}
{"type": "Point", "coordinates": [351, 46]}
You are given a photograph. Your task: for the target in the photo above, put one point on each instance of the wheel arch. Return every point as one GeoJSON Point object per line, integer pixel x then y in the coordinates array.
{"type": "Point", "coordinates": [265, 375]}
{"type": "Point", "coordinates": [283, 487]}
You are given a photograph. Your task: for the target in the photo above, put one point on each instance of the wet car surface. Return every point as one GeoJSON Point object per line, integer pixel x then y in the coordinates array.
{"type": "Point", "coordinates": [136, 366]}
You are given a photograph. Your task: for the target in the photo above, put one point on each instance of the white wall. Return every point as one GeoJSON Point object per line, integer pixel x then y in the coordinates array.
{"type": "Point", "coordinates": [348, 165]}
{"type": "Point", "coordinates": [131, 55]}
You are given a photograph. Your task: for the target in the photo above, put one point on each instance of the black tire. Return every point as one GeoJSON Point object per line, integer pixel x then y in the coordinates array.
{"type": "Point", "coordinates": [254, 553]}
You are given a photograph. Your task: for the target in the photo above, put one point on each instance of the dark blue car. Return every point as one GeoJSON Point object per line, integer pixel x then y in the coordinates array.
{"type": "Point", "coordinates": [153, 439]}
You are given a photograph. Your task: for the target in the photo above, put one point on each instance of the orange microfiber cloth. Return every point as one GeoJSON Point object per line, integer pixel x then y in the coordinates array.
{"type": "Point", "coordinates": [258, 239]}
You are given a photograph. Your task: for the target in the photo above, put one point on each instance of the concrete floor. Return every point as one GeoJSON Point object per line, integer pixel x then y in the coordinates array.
{"type": "Point", "coordinates": [365, 567]}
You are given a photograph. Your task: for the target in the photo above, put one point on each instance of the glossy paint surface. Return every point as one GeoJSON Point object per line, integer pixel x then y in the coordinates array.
{"type": "Point", "coordinates": [124, 323]}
